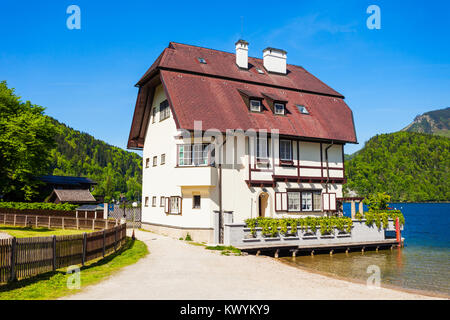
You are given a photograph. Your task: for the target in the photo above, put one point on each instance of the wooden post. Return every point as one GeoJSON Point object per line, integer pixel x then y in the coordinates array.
{"type": "Point", "coordinates": [312, 252]}
{"type": "Point", "coordinates": [14, 220]}
{"type": "Point", "coordinates": [331, 252]}
{"type": "Point", "coordinates": [276, 253]}
{"type": "Point", "coordinates": [78, 223]}
{"type": "Point", "coordinates": [83, 256]}
{"type": "Point", "coordinates": [115, 239]}
{"type": "Point", "coordinates": [361, 207]}
{"type": "Point", "coordinates": [104, 242]}
{"type": "Point", "coordinates": [25, 223]}
{"type": "Point", "coordinates": [85, 214]}
{"type": "Point", "coordinates": [13, 258]}
{"type": "Point", "coordinates": [62, 223]}
{"type": "Point", "coordinates": [36, 221]}
{"type": "Point", "coordinates": [54, 253]}
{"type": "Point", "coordinates": [93, 224]}
{"type": "Point", "coordinates": [347, 250]}
{"type": "Point", "coordinates": [106, 224]}
{"type": "Point", "coordinates": [258, 252]}
{"type": "Point", "coordinates": [294, 253]}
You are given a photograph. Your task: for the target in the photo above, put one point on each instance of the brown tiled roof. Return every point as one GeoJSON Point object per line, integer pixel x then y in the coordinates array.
{"type": "Point", "coordinates": [212, 93]}
{"type": "Point", "coordinates": [74, 195]}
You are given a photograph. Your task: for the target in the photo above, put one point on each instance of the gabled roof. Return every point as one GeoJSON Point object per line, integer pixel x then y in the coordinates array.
{"type": "Point", "coordinates": [73, 195]}
{"type": "Point", "coordinates": [213, 93]}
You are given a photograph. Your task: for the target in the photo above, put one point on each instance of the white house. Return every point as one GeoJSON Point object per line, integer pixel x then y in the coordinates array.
{"type": "Point", "coordinates": [224, 134]}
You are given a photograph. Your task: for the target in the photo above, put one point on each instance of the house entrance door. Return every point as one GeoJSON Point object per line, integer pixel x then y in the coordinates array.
{"type": "Point", "coordinates": [263, 200]}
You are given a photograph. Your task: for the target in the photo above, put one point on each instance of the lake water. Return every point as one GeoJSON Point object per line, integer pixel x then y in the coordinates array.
{"type": "Point", "coordinates": [423, 264]}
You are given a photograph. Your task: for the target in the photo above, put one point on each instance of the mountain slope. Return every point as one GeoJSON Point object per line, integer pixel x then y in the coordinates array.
{"type": "Point", "coordinates": [433, 122]}
{"type": "Point", "coordinates": [408, 166]}
{"type": "Point", "coordinates": [80, 154]}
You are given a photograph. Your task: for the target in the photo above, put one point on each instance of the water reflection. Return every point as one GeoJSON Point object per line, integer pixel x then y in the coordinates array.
{"type": "Point", "coordinates": [413, 268]}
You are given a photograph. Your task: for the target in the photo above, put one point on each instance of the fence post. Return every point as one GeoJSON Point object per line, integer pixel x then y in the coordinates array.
{"type": "Point", "coordinates": [106, 224]}
{"type": "Point", "coordinates": [78, 223]}
{"type": "Point", "coordinates": [115, 239]}
{"type": "Point", "coordinates": [49, 223]}
{"type": "Point", "coordinates": [26, 218]}
{"type": "Point", "coordinates": [104, 241]}
{"type": "Point", "coordinates": [83, 256]}
{"type": "Point", "coordinates": [93, 224]}
{"type": "Point", "coordinates": [36, 221]}
{"type": "Point", "coordinates": [54, 253]}
{"type": "Point", "coordinates": [62, 222]}
{"type": "Point", "coordinates": [13, 259]}
{"type": "Point", "coordinates": [14, 220]}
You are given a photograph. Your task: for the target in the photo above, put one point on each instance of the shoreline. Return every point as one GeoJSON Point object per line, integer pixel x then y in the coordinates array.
{"type": "Point", "coordinates": [359, 281]}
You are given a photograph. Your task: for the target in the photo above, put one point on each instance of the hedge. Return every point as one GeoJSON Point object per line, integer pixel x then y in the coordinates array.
{"type": "Point", "coordinates": [38, 206]}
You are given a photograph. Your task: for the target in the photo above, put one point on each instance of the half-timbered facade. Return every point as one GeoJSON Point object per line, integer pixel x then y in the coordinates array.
{"type": "Point", "coordinates": [222, 132]}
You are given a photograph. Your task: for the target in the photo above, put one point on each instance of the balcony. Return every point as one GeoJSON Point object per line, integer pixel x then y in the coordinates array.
{"type": "Point", "coordinates": [196, 176]}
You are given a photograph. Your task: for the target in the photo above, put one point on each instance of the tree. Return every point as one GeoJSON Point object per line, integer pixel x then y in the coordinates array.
{"type": "Point", "coordinates": [26, 141]}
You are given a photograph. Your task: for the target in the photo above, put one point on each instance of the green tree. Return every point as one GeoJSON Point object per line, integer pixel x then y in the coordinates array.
{"type": "Point", "coordinates": [26, 141]}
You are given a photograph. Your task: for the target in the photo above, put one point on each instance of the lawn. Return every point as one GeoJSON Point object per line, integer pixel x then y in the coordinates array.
{"type": "Point", "coordinates": [53, 285]}
{"type": "Point", "coordinates": [24, 232]}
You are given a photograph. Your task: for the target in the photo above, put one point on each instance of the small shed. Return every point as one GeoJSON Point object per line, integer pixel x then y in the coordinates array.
{"type": "Point", "coordinates": [90, 211]}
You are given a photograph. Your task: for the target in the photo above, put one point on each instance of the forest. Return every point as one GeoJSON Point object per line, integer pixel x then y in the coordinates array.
{"type": "Point", "coordinates": [409, 166]}
{"type": "Point", "coordinates": [33, 144]}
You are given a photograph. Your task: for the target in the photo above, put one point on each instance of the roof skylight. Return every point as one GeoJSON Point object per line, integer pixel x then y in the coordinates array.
{"type": "Point", "coordinates": [201, 60]}
{"type": "Point", "coordinates": [259, 71]}
{"type": "Point", "coordinates": [302, 109]}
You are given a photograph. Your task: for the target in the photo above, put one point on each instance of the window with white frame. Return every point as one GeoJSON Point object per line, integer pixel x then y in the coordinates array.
{"type": "Point", "coordinates": [196, 154]}
{"type": "Point", "coordinates": [255, 105]}
{"type": "Point", "coordinates": [279, 108]}
{"type": "Point", "coordinates": [164, 110]}
{"type": "Point", "coordinates": [154, 201]}
{"type": "Point", "coordinates": [175, 205]}
{"type": "Point", "coordinates": [286, 150]}
{"type": "Point", "coordinates": [306, 201]}
{"type": "Point", "coordinates": [317, 200]}
{"type": "Point", "coordinates": [262, 148]}
{"type": "Point", "coordinates": [163, 158]}
{"type": "Point", "coordinates": [196, 201]}
{"type": "Point", "coordinates": [293, 201]}
{"type": "Point", "coordinates": [161, 201]}
{"type": "Point", "coordinates": [302, 109]}
{"type": "Point", "coordinates": [147, 162]}
{"type": "Point", "coordinates": [155, 161]}
{"type": "Point", "coordinates": [146, 201]}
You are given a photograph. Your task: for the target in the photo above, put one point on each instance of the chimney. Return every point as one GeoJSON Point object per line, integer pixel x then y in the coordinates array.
{"type": "Point", "coordinates": [242, 54]}
{"type": "Point", "coordinates": [275, 60]}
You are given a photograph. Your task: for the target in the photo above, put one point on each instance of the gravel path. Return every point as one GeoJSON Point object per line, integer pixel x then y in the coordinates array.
{"type": "Point", "coordinates": [177, 270]}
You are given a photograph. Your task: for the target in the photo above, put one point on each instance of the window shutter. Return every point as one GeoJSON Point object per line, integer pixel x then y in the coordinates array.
{"type": "Point", "coordinates": [332, 201]}
{"type": "Point", "coordinates": [284, 204]}
{"type": "Point", "coordinates": [326, 202]}
{"type": "Point", "coordinates": [167, 205]}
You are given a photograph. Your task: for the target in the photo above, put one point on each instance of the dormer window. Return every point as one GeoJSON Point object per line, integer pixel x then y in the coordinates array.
{"type": "Point", "coordinates": [201, 60]}
{"type": "Point", "coordinates": [255, 105]}
{"type": "Point", "coordinates": [302, 109]}
{"type": "Point", "coordinates": [259, 71]}
{"type": "Point", "coordinates": [279, 108]}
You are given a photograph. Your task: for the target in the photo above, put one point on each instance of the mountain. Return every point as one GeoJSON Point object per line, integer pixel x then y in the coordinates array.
{"type": "Point", "coordinates": [433, 122]}
{"type": "Point", "coordinates": [79, 154]}
{"type": "Point", "coordinates": [409, 166]}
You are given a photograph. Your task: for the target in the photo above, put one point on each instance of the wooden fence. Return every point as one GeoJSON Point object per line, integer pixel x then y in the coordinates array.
{"type": "Point", "coordinates": [20, 220]}
{"type": "Point", "coordinates": [22, 258]}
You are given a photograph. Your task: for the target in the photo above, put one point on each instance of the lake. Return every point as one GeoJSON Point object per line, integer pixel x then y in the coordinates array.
{"type": "Point", "coordinates": [423, 264]}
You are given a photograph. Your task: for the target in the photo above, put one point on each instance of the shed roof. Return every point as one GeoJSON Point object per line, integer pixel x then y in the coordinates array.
{"type": "Point", "coordinates": [74, 195]}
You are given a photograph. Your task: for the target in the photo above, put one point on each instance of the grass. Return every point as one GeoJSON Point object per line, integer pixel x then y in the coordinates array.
{"type": "Point", "coordinates": [24, 232]}
{"type": "Point", "coordinates": [53, 285]}
{"type": "Point", "coordinates": [226, 250]}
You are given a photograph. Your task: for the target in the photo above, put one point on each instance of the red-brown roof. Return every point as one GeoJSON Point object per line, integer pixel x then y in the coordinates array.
{"type": "Point", "coordinates": [211, 93]}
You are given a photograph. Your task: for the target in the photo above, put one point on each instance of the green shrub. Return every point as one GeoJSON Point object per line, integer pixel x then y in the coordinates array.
{"type": "Point", "coordinates": [38, 206]}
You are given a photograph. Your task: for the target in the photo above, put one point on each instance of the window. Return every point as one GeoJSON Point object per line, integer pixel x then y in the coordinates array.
{"type": "Point", "coordinates": [146, 201]}
{"type": "Point", "coordinates": [196, 154]}
{"type": "Point", "coordinates": [164, 110]}
{"type": "Point", "coordinates": [317, 200]}
{"type": "Point", "coordinates": [279, 108]}
{"type": "Point", "coordinates": [286, 150]}
{"type": "Point", "coordinates": [163, 158]}
{"type": "Point", "coordinates": [147, 162]}
{"type": "Point", "coordinates": [306, 201]}
{"type": "Point", "coordinates": [293, 201]}
{"type": "Point", "coordinates": [255, 105]}
{"type": "Point", "coordinates": [175, 205]}
{"type": "Point", "coordinates": [161, 201]}
{"type": "Point", "coordinates": [201, 60]}
{"type": "Point", "coordinates": [155, 161]}
{"type": "Point", "coordinates": [302, 109]}
{"type": "Point", "coordinates": [196, 202]}
{"type": "Point", "coordinates": [259, 70]}
{"type": "Point", "coordinates": [262, 148]}
{"type": "Point", "coordinates": [154, 202]}
{"type": "Point", "coordinates": [153, 114]}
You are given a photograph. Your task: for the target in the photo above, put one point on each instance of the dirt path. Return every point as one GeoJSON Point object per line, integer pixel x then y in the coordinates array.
{"type": "Point", "coordinates": [177, 270]}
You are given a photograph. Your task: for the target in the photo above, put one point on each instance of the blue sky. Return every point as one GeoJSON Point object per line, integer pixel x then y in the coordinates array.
{"type": "Point", "coordinates": [85, 78]}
